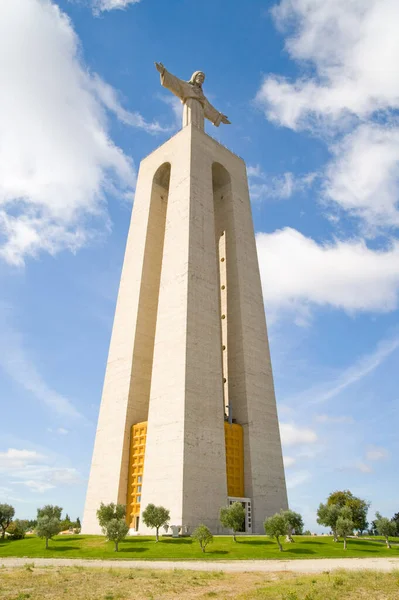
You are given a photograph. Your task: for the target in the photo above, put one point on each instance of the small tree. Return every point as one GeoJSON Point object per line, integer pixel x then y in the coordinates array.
{"type": "Point", "coordinates": [345, 525]}
{"type": "Point", "coordinates": [53, 512]}
{"type": "Point", "coordinates": [116, 530]}
{"type": "Point", "coordinates": [294, 523]}
{"type": "Point", "coordinates": [6, 514]}
{"type": "Point", "coordinates": [17, 529]}
{"type": "Point", "coordinates": [203, 536]}
{"type": "Point", "coordinates": [108, 512]}
{"type": "Point", "coordinates": [275, 527]}
{"type": "Point", "coordinates": [233, 517]}
{"type": "Point", "coordinates": [155, 517]}
{"type": "Point", "coordinates": [47, 527]}
{"type": "Point", "coordinates": [358, 507]}
{"type": "Point", "coordinates": [385, 527]}
{"type": "Point", "coordinates": [111, 518]}
{"type": "Point", "coordinates": [66, 523]}
{"type": "Point", "coordinates": [327, 515]}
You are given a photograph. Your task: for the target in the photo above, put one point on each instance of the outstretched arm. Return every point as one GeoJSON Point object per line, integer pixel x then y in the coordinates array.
{"type": "Point", "coordinates": [214, 115]}
{"type": "Point", "coordinates": [171, 82]}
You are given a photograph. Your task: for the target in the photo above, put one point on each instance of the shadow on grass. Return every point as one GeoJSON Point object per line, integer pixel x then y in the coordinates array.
{"type": "Point", "coordinates": [299, 551]}
{"type": "Point", "coordinates": [312, 543]}
{"type": "Point", "coordinates": [256, 542]}
{"type": "Point", "coordinates": [217, 552]}
{"type": "Point", "coordinates": [72, 537]}
{"type": "Point", "coordinates": [63, 548]}
{"type": "Point", "coordinates": [140, 549]}
{"type": "Point", "coordinates": [176, 541]}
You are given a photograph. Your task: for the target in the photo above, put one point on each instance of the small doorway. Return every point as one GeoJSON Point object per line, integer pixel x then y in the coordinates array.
{"type": "Point", "coordinates": [137, 523]}
{"type": "Point", "coordinates": [247, 504]}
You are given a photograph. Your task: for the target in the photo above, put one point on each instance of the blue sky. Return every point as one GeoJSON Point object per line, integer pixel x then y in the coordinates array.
{"type": "Point", "coordinates": [312, 91]}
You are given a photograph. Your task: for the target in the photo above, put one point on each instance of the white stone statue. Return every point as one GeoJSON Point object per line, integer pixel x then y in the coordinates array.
{"type": "Point", "coordinates": [195, 105]}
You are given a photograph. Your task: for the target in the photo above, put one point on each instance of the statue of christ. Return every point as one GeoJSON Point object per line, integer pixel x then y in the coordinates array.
{"type": "Point", "coordinates": [196, 105]}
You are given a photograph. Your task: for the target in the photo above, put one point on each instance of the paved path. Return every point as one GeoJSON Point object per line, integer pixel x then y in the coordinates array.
{"type": "Point", "coordinates": [228, 566]}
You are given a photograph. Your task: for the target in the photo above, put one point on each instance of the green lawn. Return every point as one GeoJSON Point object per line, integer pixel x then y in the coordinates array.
{"type": "Point", "coordinates": [260, 547]}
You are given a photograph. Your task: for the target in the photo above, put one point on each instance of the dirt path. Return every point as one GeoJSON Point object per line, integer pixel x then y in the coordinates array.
{"type": "Point", "coordinates": [228, 566]}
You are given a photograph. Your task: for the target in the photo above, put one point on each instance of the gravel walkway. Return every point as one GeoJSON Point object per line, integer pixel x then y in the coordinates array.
{"type": "Point", "coordinates": [228, 566]}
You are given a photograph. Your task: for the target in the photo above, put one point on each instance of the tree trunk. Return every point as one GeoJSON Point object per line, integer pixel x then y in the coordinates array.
{"type": "Point", "coordinates": [156, 534]}
{"type": "Point", "coordinates": [279, 545]}
{"type": "Point", "coordinates": [46, 543]}
{"type": "Point", "coordinates": [387, 541]}
{"type": "Point", "coordinates": [344, 543]}
{"type": "Point", "coordinates": [234, 536]}
{"type": "Point", "coordinates": [116, 546]}
{"type": "Point", "coordinates": [335, 536]}
{"type": "Point", "coordinates": [3, 533]}
{"type": "Point", "coordinates": [203, 548]}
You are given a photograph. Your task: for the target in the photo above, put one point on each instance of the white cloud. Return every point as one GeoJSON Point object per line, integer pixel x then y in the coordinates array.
{"type": "Point", "coordinates": [276, 186]}
{"type": "Point", "coordinates": [109, 98]}
{"type": "Point", "coordinates": [363, 467]}
{"type": "Point", "coordinates": [35, 470]}
{"type": "Point", "coordinates": [102, 5]}
{"type": "Point", "coordinates": [297, 272]}
{"type": "Point", "coordinates": [176, 106]}
{"type": "Point", "coordinates": [363, 177]}
{"type": "Point", "coordinates": [353, 49]}
{"type": "Point", "coordinates": [330, 419]}
{"type": "Point", "coordinates": [292, 435]}
{"type": "Point", "coordinates": [356, 466]}
{"type": "Point", "coordinates": [377, 453]}
{"type": "Point", "coordinates": [298, 478]}
{"type": "Point", "coordinates": [59, 430]}
{"type": "Point", "coordinates": [289, 461]}
{"type": "Point", "coordinates": [348, 52]}
{"type": "Point", "coordinates": [17, 459]}
{"type": "Point", "coordinates": [365, 365]}
{"type": "Point", "coordinates": [57, 160]}
{"type": "Point", "coordinates": [38, 486]}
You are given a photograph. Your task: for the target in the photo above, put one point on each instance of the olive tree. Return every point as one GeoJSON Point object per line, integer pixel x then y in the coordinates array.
{"type": "Point", "coordinates": [358, 507]}
{"type": "Point", "coordinates": [47, 527]}
{"type": "Point", "coordinates": [6, 515]}
{"type": "Point", "coordinates": [276, 527]}
{"type": "Point", "coordinates": [107, 512]}
{"type": "Point", "coordinates": [51, 511]}
{"type": "Point", "coordinates": [294, 523]}
{"type": "Point", "coordinates": [202, 535]}
{"type": "Point", "coordinates": [233, 517]}
{"type": "Point", "coordinates": [327, 515]}
{"type": "Point", "coordinates": [385, 527]}
{"type": "Point", "coordinates": [345, 525]}
{"type": "Point", "coordinates": [116, 530]}
{"type": "Point", "coordinates": [17, 529]}
{"type": "Point", "coordinates": [48, 522]}
{"type": "Point", "coordinates": [155, 517]}
{"type": "Point", "coordinates": [112, 520]}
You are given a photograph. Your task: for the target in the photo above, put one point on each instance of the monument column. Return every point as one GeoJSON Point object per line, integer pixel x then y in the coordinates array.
{"type": "Point", "coordinates": [179, 386]}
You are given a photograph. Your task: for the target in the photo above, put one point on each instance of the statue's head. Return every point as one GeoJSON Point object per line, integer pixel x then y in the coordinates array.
{"type": "Point", "coordinates": [197, 78]}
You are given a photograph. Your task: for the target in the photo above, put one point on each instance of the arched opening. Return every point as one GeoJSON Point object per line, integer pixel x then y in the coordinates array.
{"type": "Point", "coordinates": [143, 353]}
{"type": "Point", "coordinates": [221, 184]}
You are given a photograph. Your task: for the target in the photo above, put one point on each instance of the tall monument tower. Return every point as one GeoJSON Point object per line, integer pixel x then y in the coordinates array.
{"type": "Point", "coordinates": [188, 415]}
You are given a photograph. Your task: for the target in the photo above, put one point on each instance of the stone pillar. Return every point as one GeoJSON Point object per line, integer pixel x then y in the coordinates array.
{"type": "Point", "coordinates": [165, 362]}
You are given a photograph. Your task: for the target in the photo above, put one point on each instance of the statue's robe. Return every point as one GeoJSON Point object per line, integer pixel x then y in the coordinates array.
{"type": "Point", "coordinates": [193, 98]}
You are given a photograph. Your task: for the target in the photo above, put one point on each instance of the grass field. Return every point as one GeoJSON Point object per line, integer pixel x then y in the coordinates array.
{"type": "Point", "coordinates": [78, 583]}
{"type": "Point", "coordinates": [260, 547]}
